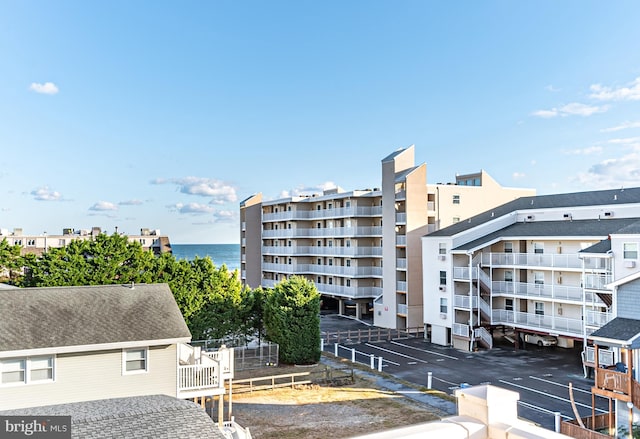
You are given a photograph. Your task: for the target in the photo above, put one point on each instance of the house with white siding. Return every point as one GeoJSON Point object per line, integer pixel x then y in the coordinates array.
{"type": "Point", "coordinates": [71, 344]}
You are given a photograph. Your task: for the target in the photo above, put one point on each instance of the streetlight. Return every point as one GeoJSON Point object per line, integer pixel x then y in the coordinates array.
{"type": "Point", "coordinates": [45, 241]}
{"type": "Point", "coordinates": [630, 405]}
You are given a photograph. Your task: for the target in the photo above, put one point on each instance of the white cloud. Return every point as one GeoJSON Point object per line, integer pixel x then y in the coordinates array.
{"type": "Point", "coordinates": [625, 141]}
{"type": "Point", "coordinates": [518, 175]}
{"type": "Point", "coordinates": [602, 93]}
{"type": "Point", "coordinates": [102, 206]}
{"type": "Point", "coordinates": [192, 208]}
{"type": "Point", "coordinates": [48, 88]}
{"type": "Point", "coordinates": [551, 88]}
{"type": "Point", "coordinates": [219, 191]}
{"type": "Point", "coordinates": [45, 194]}
{"type": "Point", "coordinates": [308, 190]}
{"type": "Point", "coordinates": [622, 126]}
{"type": "Point", "coordinates": [572, 109]}
{"type": "Point", "coordinates": [585, 151]}
{"type": "Point", "coordinates": [130, 203]}
{"type": "Point", "coordinates": [613, 173]}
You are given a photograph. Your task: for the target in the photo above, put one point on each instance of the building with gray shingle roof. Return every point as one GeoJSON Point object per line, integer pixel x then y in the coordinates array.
{"type": "Point", "coordinates": [538, 264]}
{"type": "Point", "coordinates": [153, 417]}
{"type": "Point", "coordinates": [71, 344]}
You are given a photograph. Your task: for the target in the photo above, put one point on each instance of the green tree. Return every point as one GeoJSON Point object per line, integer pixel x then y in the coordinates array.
{"type": "Point", "coordinates": [10, 262]}
{"type": "Point", "coordinates": [292, 319]}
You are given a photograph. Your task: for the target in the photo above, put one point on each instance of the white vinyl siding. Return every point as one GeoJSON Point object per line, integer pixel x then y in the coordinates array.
{"type": "Point", "coordinates": [97, 375]}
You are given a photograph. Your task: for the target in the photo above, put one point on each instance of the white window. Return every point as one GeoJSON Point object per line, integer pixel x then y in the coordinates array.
{"type": "Point", "coordinates": [538, 247]}
{"type": "Point", "coordinates": [348, 243]}
{"type": "Point", "coordinates": [319, 280]}
{"type": "Point", "coordinates": [330, 243]}
{"type": "Point", "coordinates": [330, 281]}
{"type": "Point", "coordinates": [539, 306]}
{"type": "Point", "coordinates": [289, 261]}
{"type": "Point", "coordinates": [443, 248]}
{"type": "Point", "coordinates": [508, 247]}
{"type": "Point", "coordinates": [508, 304]}
{"type": "Point", "coordinates": [27, 370]}
{"type": "Point", "coordinates": [319, 261]}
{"type": "Point", "coordinates": [329, 206]}
{"type": "Point", "coordinates": [443, 277]}
{"type": "Point", "coordinates": [143, 241]}
{"type": "Point", "coordinates": [14, 371]}
{"type": "Point", "coordinates": [443, 304]}
{"type": "Point", "coordinates": [330, 261]}
{"type": "Point", "coordinates": [62, 242]}
{"type": "Point", "coordinates": [135, 361]}
{"type": "Point", "coordinates": [31, 242]}
{"type": "Point", "coordinates": [630, 250]}
{"type": "Point", "coordinates": [508, 276]}
{"type": "Point", "coordinates": [538, 277]}
{"type": "Point", "coordinates": [348, 282]}
{"type": "Point", "coordinates": [456, 199]}
{"type": "Point", "coordinates": [347, 203]}
{"type": "Point", "coordinates": [348, 262]}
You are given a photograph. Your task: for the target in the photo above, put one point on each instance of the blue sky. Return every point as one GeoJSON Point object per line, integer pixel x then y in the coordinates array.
{"type": "Point", "coordinates": [165, 115]}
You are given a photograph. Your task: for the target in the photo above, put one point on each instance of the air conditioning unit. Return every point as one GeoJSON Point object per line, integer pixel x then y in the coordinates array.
{"type": "Point", "coordinates": [629, 264]}
{"type": "Point", "coordinates": [442, 288]}
{"type": "Point", "coordinates": [442, 257]}
{"type": "Point", "coordinates": [443, 316]}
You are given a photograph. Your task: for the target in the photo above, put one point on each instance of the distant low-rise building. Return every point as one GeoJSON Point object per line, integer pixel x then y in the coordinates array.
{"type": "Point", "coordinates": [149, 239]}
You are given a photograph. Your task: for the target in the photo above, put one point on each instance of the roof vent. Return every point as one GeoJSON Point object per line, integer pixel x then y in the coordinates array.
{"type": "Point", "coordinates": [608, 214]}
{"type": "Point", "coordinates": [567, 216]}
{"type": "Point", "coordinates": [530, 217]}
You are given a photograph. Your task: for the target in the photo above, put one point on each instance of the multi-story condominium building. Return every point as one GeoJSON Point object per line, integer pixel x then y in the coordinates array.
{"type": "Point", "coordinates": [538, 265]}
{"type": "Point", "coordinates": [362, 248]}
{"type": "Point", "coordinates": [150, 239]}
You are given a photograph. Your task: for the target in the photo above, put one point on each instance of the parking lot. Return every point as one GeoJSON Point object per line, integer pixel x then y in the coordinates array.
{"type": "Point", "coordinates": [540, 375]}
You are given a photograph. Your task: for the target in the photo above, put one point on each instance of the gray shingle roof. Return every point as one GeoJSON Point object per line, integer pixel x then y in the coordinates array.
{"type": "Point", "coordinates": [32, 318]}
{"type": "Point", "coordinates": [593, 198]}
{"type": "Point", "coordinates": [156, 416]}
{"type": "Point", "coordinates": [603, 246]}
{"type": "Point", "coordinates": [590, 228]}
{"type": "Point", "coordinates": [618, 332]}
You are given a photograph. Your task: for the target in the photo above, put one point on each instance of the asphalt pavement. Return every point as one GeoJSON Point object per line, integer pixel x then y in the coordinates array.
{"type": "Point", "coordinates": [540, 375]}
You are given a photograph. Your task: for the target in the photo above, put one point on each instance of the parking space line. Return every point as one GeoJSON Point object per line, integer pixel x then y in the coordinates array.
{"type": "Point", "coordinates": [396, 353]}
{"type": "Point", "coordinates": [542, 409]}
{"type": "Point", "coordinates": [424, 350]}
{"type": "Point", "coordinates": [549, 395]}
{"type": "Point", "coordinates": [577, 389]}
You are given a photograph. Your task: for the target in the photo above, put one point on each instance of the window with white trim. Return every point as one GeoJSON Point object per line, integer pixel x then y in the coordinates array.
{"type": "Point", "coordinates": [508, 247]}
{"type": "Point", "coordinates": [538, 277]}
{"type": "Point", "coordinates": [538, 247]}
{"type": "Point", "coordinates": [443, 304]}
{"type": "Point", "coordinates": [135, 360]}
{"type": "Point", "coordinates": [27, 370]}
{"type": "Point", "coordinates": [443, 277]}
{"type": "Point", "coordinates": [456, 199]}
{"type": "Point", "coordinates": [442, 250]}
{"type": "Point", "coordinates": [508, 304]}
{"type": "Point", "coordinates": [539, 307]}
{"type": "Point", "coordinates": [508, 276]}
{"type": "Point", "coordinates": [630, 250]}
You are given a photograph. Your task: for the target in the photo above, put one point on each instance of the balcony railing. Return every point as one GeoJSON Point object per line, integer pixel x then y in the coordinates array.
{"type": "Point", "coordinates": [597, 319]}
{"type": "Point", "coordinates": [401, 263]}
{"type": "Point", "coordinates": [401, 239]}
{"type": "Point", "coordinates": [338, 270]}
{"type": "Point", "coordinates": [538, 291]}
{"type": "Point", "coordinates": [460, 330]}
{"type": "Point", "coordinates": [465, 302]}
{"type": "Point", "coordinates": [323, 232]}
{"type": "Point", "coordinates": [464, 273]}
{"type": "Point", "coordinates": [401, 286]}
{"type": "Point", "coordinates": [597, 281]}
{"type": "Point", "coordinates": [349, 292]}
{"type": "Point", "coordinates": [401, 218]}
{"type": "Point", "coordinates": [537, 321]}
{"type": "Point", "coordinates": [322, 251]}
{"type": "Point", "coordinates": [340, 212]}
{"type": "Point", "coordinates": [532, 260]}
{"type": "Point", "coordinates": [403, 309]}
{"type": "Point", "coordinates": [197, 377]}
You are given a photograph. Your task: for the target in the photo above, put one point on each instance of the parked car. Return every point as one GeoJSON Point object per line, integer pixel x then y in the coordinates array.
{"type": "Point", "coordinates": [540, 340]}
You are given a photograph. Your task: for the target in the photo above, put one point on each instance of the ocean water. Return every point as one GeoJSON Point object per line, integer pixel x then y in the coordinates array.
{"type": "Point", "coordinates": [228, 254]}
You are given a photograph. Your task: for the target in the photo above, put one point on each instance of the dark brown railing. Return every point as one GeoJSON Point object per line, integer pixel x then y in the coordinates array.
{"type": "Point", "coordinates": [571, 428]}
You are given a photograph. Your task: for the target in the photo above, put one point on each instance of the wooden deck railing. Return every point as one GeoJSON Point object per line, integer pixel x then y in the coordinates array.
{"type": "Point", "coordinates": [371, 335]}
{"type": "Point", "coordinates": [293, 379]}
{"type": "Point", "coordinates": [571, 428]}
{"type": "Point", "coordinates": [613, 381]}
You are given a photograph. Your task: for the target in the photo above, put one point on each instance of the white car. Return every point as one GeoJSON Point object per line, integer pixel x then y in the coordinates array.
{"type": "Point", "coordinates": [541, 340]}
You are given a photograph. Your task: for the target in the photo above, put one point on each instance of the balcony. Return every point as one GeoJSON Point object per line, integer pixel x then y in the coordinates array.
{"type": "Point", "coordinates": [465, 302]}
{"type": "Point", "coordinates": [401, 218]}
{"type": "Point", "coordinates": [403, 309]}
{"type": "Point", "coordinates": [202, 374]}
{"type": "Point", "coordinates": [460, 330]}
{"type": "Point", "coordinates": [369, 211]}
{"type": "Point", "coordinates": [337, 270]}
{"type": "Point", "coordinates": [322, 251]}
{"type": "Point", "coordinates": [547, 260]}
{"type": "Point", "coordinates": [401, 286]}
{"type": "Point", "coordinates": [533, 321]}
{"type": "Point", "coordinates": [347, 232]}
{"type": "Point", "coordinates": [401, 264]}
{"type": "Point", "coordinates": [348, 292]}
{"type": "Point", "coordinates": [597, 281]}
{"type": "Point", "coordinates": [401, 240]}
{"type": "Point", "coordinates": [538, 291]}
{"type": "Point", "coordinates": [597, 319]}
